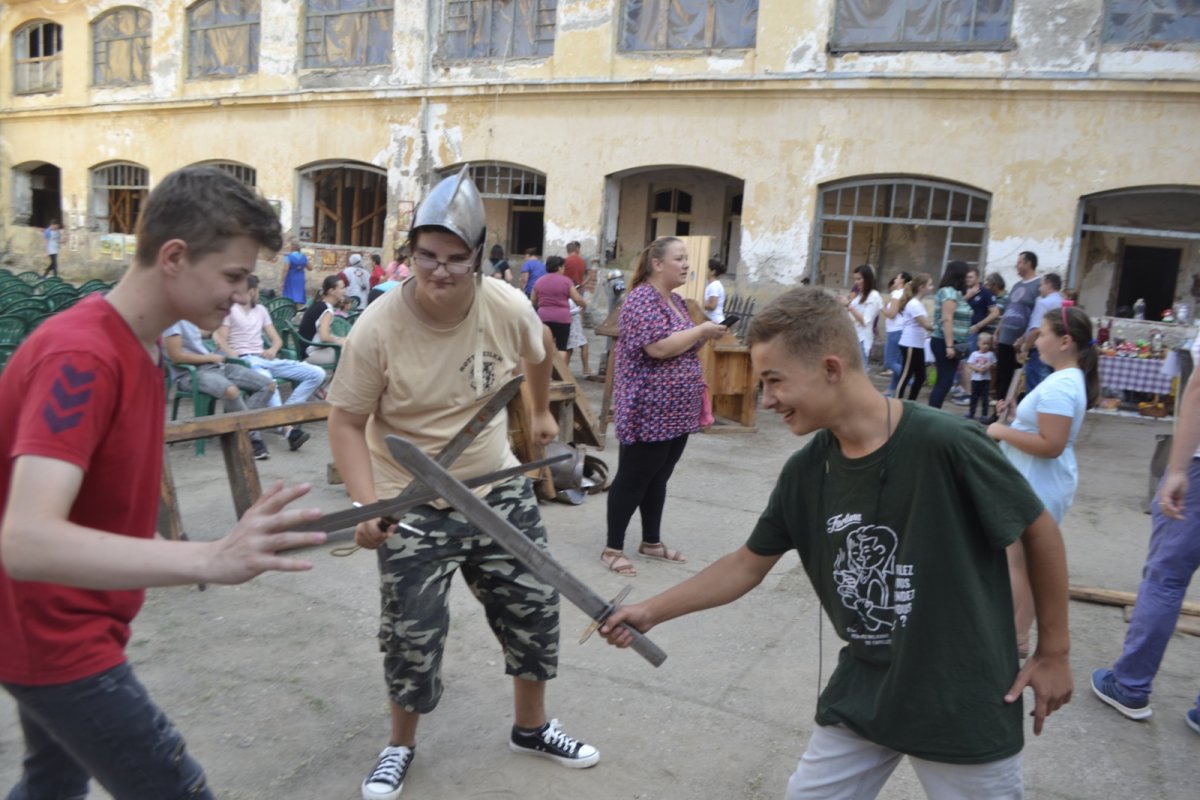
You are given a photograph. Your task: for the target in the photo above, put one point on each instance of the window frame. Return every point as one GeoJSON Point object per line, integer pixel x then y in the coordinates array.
{"type": "Point", "coordinates": [1148, 43]}
{"type": "Point", "coordinates": [447, 32]}
{"type": "Point", "coordinates": [255, 42]}
{"type": "Point", "coordinates": [710, 33]}
{"type": "Point", "coordinates": [139, 14]}
{"type": "Point", "coordinates": [42, 61]}
{"type": "Point", "coordinates": [309, 14]}
{"type": "Point", "coordinates": [836, 47]}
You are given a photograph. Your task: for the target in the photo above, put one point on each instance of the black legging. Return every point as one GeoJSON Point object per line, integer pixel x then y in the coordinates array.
{"type": "Point", "coordinates": [913, 359]}
{"type": "Point", "coordinates": [641, 483]}
{"type": "Point", "coordinates": [1006, 367]}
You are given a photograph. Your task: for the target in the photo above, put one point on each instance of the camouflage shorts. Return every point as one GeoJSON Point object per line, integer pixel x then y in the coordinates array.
{"type": "Point", "coordinates": [416, 572]}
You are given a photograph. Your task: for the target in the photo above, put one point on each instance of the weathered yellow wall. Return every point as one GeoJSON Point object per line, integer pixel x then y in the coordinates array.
{"type": "Point", "coordinates": [1057, 117]}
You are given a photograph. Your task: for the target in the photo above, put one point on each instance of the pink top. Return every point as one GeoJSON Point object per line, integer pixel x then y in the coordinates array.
{"type": "Point", "coordinates": [553, 290]}
{"type": "Point", "coordinates": [246, 328]}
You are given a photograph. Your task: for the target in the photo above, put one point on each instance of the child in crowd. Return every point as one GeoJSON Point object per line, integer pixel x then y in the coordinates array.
{"type": "Point", "coordinates": [981, 364]}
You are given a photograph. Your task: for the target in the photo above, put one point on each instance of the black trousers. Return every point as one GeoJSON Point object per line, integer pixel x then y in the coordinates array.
{"type": "Point", "coordinates": [913, 359]}
{"type": "Point", "coordinates": [641, 483]}
{"type": "Point", "coordinates": [979, 396]}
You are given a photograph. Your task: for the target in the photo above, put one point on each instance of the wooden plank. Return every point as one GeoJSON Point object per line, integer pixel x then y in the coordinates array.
{"type": "Point", "coordinates": [242, 472]}
{"type": "Point", "coordinates": [699, 249]}
{"type": "Point", "coordinates": [583, 420]}
{"type": "Point", "coordinates": [1111, 597]}
{"type": "Point", "coordinates": [204, 427]}
{"type": "Point", "coordinates": [170, 523]}
{"type": "Point", "coordinates": [520, 438]}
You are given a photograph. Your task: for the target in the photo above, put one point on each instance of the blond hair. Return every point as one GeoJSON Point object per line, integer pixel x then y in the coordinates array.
{"type": "Point", "coordinates": [645, 263]}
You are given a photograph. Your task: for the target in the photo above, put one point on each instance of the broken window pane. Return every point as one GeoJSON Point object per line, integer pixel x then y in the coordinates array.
{"type": "Point", "coordinates": [922, 24]}
{"type": "Point", "coordinates": [223, 38]}
{"type": "Point", "coordinates": [1145, 21]}
{"type": "Point", "coordinates": [688, 24]}
{"type": "Point", "coordinates": [37, 58]}
{"type": "Point", "coordinates": [121, 47]}
{"type": "Point", "coordinates": [347, 33]}
{"type": "Point", "coordinates": [500, 28]}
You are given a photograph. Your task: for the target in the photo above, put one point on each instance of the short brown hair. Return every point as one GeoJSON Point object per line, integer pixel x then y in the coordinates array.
{"type": "Point", "coordinates": [205, 207]}
{"type": "Point", "coordinates": [811, 324]}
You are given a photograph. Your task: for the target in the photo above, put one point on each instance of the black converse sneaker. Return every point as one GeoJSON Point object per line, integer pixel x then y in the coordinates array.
{"type": "Point", "coordinates": [386, 781]}
{"type": "Point", "coordinates": [549, 741]}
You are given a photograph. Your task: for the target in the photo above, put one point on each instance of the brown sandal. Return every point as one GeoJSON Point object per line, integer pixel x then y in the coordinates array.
{"type": "Point", "coordinates": [660, 552]}
{"type": "Point", "coordinates": [616, 561]}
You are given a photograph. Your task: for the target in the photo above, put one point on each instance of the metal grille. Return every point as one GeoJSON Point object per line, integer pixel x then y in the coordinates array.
{"type": "Point", "coordinates": [489, 29]}
{"type": "Point", "coordinates": [503, 182]}
{"type": "Point", "coordinates": [245, 174]}
{"type": "Point", "coordinates": [120, 176]}
{"type": "Point", "coordinates": [347, 33]}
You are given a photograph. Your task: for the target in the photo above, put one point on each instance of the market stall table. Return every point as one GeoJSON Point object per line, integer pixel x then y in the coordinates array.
{"type": "Point", "coordinates": [1134, 374]}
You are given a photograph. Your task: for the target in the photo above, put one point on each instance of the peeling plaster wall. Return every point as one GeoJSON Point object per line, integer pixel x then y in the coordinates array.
{"type": "Point", "coordinates": [1058, 116]}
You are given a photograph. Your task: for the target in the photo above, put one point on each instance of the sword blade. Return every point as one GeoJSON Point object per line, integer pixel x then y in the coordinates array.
{"type": "Point", "coordinates": [539, 563]}
{"type": "Point", "coordinates": [395, 506]}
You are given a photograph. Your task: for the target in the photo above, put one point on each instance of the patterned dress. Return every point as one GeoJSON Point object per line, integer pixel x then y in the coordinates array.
{"type": "Point", "coordinates": [654, 399]}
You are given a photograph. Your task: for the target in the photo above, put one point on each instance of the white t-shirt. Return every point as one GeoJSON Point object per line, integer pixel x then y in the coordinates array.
{"type": "Point", "coordinates": [893, 324]}
{"type": "Point", "coordinates": [984, 361]}
{"type": "Point", "coordinates": [1054, 480]}
{"type": "Point", "coordinates": [359, 284]}
{"type": "Point", "coordinates": [715, 289]}
{"type": "Point", "coordinates": [246, 328]}
{"type": "Point", "coordinates": [869, 308]}
{"type": "Point", "coordinates": [418, 382]}
{"type": "Point", "coordinates": [913, 334]}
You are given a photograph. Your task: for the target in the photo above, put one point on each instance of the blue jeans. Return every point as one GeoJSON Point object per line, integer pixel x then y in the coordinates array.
{"type": "Point", "coordinates": [947, 368]}
{"type": "Point", "coordinates": [106, 727]}
{"type": "Point", "coordinates": [1172, 561]}
{"type": "Point", "coordinates": [1036, 370]}
{"type": "Point", "coordinates": [892, 358]}
{"type": "Point", "coordinates": [307, 377]}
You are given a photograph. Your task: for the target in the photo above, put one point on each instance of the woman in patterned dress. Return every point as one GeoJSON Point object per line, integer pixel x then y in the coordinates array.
{"type": "Point", "coordinates": [658, 390]}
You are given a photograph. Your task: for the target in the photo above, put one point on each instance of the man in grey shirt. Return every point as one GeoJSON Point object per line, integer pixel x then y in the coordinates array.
{"type": "Point", "coordinates": [1015, 321]}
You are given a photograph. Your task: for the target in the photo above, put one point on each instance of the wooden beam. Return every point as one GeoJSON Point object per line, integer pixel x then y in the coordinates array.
{"type": "Point", "coordinates": [243, 474]}
{"type": "Point", "coordinates": [1111, 597]}
{"type": "Point", "coordinates": [584, 419]}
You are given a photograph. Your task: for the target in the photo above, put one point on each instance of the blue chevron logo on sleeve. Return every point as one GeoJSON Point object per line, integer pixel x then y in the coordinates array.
{"type": "Point", "coordinates": [69, 391]}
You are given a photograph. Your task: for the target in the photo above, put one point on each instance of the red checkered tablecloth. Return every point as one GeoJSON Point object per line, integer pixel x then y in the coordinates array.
{"type": "Point", "coordinates": [1134, 374]}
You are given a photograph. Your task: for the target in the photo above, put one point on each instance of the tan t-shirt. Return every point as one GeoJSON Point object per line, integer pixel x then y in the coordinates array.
{"type": "Point", "coordinates": [419, 382]}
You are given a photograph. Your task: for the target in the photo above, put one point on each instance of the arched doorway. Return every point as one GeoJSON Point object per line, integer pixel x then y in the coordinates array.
{"type": "Point", "coordinates": [342, 203]}
{"type": "Point", "coordinates": [37, 194]}
{"type": "Point", "coordinates": [897, 223]}
{"type": "Point", "coordinates": [1137, 243]}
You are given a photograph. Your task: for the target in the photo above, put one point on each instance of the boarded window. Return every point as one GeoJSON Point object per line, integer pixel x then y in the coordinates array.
{"type": "Point", "coordinates": [1151, 21]}
{"type": "Point", "coordinates": [343, 205]}
{"type": "Point", "coordinates": [688, 24]}
{"type": "Point", "coordinates": [118, 191]}
{"type": "Point", "coordinates": [121, 47]}
{"type": "Point", "coordinates": [37, 58]}
{"type": "Point", "coordinates": [223, 38]}
{"type": "Point", "coordinates": [921, 24]}
{"type": "Point", "coordinates": [347, 33]}
{"type": "Point", "coordinates": [500, 28]}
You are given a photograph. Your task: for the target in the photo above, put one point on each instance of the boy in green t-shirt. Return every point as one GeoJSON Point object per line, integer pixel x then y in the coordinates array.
{"type": "Point", "coordinates": [885, 507]}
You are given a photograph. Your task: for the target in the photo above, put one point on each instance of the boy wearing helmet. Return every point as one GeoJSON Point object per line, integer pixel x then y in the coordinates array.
{"type": "Point", "coordinates": [476, 334]}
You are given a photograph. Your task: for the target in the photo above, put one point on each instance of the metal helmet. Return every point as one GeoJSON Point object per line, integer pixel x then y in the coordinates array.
{"type": "Point", "coordinates": [454, 204]}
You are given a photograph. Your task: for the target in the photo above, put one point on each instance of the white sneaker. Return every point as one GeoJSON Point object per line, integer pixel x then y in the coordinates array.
{"type": "Point", "coordinates": [386, 781]}
{"type": "Point", "coordinates": [549, 741]}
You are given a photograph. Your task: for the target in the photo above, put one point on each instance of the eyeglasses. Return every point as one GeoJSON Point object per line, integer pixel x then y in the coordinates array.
{"type": "Point", "coordinates": [429, 264]}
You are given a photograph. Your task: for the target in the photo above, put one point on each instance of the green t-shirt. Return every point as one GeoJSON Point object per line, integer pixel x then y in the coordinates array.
{"type": "Point", "coordinates": [905, 549]}
{"type": "Point", "coordinates": [962, 314]}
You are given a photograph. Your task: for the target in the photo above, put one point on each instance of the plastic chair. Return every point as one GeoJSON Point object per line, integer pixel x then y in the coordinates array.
{"type": "Point", "coordinates": [12, 330]}
{"type": "Point", "coordinates": [203, 405]}
{"type": "Point", "coordinates": [94, 285]}
{"type": "Point", "coordinates": [29, 277]}
{"type": "Point", "coordinates": [304, 344]}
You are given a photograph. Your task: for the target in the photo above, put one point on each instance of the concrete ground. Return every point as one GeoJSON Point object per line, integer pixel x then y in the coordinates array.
{"type": "Point", "coordinates": [277, 683]}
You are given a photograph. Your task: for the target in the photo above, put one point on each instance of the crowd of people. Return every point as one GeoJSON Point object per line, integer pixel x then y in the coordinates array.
{"type": "Point", "coordinates": [882, 503]}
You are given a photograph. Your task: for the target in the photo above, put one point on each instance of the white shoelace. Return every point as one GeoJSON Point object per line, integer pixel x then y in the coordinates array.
{"type": "Point", "coordinates": [390, 767]}
{"type": "Point", "coordinates": [553, 735]}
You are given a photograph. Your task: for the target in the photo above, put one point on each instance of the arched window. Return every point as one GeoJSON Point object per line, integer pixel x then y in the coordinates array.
{"type": "Point", "coordinates": [121, 47]}
{"type": "Point", "coordinates": [347, 33]}
{"type": "Point", "coordinates": [118, 191]}
{"type": "Point", "coordinates": [223, 38]}
{"type": "Point", "coordinates": [245, 174]}
{"type": "Point", "coordinates": [343, 204]}
{"type": "Point", "coordinates": [37, 58]}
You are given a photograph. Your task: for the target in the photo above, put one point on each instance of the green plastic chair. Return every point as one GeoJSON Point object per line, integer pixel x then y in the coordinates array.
{"type": "Point", "coordinates": [93, 285]}
{"type": "Point", "coordinates": [34, 304]}
{"type": "Point", "coordinates": [304, 344]}
{"type": "Point", "coordinates": [29, 277]}
{"type": "Point", "coordinates": [203, 405]}
{"type": "Point", "coordinates": [12, 331]}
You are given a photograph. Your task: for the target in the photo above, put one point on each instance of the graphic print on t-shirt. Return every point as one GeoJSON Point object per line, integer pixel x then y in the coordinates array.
{"type": "Point", "coordinates": [869, 581]}
{"type": "Point", "coordinates": [490, 360]}
{"type": "Point", "coordinates": [70, 391]}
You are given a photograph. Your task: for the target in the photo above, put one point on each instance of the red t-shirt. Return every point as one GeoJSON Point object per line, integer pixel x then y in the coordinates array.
{"type": "Point", "coordinates": [575, 268]}
{"type": "Point", "coordinates": [81, 389]}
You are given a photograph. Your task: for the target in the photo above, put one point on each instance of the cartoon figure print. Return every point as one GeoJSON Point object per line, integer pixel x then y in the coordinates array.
{"type": "Point", "coordinates": [863, 571]}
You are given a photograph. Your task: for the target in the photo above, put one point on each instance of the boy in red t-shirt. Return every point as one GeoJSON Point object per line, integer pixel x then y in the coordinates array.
{"type": "Point", "coordinates": [81, 446]}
